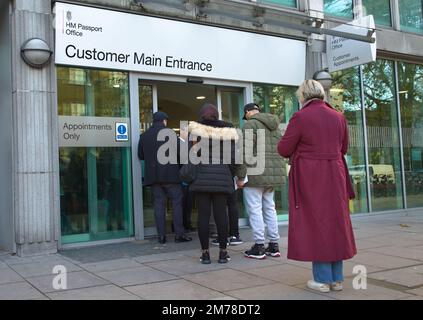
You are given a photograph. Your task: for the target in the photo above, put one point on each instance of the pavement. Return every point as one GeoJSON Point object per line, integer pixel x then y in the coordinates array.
{"type": "Point", "coordinates": [390, 247]}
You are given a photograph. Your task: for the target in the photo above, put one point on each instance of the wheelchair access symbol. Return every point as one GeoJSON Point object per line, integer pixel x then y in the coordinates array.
{"type": "Point", "coordinates": [121, 131]}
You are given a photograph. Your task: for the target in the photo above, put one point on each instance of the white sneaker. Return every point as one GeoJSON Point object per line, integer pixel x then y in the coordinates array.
{"type": "Point", "coordinates": [321, 287]}
{"type": "Point", "coordinates": [336, 286]}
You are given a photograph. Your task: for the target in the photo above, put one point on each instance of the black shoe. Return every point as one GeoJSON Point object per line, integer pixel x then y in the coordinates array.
{"type": "Point", "coordinates": [223, 256]}
{"type": "Point", "coordinates": [256, 252]}
{"type": "Point", "coordinates": [216, 242]}
{"type": "Point", "coordinates": [205, 258]}
{"type": "Point", "coordinates": [183, 238]}
{"type": "Point", "coordinates": [234, 241]}
{"type": "Point", "coordinates": [162, 239]}
{"type": "Point", "coordinates": [273, 250]}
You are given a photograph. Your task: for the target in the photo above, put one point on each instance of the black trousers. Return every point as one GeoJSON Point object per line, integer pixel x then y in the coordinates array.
{"type": "Point", "coordinates": [233, 214]}
{"type": "Point", "coordinates": [161, 192]}
{"type": "Point", "coordinates": [187, 207]}
{"type": "Point", "coordinates": [205, 203]}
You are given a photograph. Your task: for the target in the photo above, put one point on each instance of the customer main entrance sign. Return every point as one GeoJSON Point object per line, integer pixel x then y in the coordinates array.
{"type": "Point", "coordinates": [105, 39]}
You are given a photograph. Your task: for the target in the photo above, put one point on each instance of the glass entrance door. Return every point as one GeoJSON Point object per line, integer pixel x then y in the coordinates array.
{"type": "Point", "coordinates": [181, 101]}
{"type": "Point", "coordinates": [95, 176]}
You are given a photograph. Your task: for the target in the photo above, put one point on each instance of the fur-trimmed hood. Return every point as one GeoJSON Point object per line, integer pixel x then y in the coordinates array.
{"type": "Point", "coordinates": [213, 132]}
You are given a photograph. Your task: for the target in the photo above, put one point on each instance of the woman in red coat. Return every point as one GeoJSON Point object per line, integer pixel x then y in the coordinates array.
{"type": "Point", "coordinates": [320, 230]}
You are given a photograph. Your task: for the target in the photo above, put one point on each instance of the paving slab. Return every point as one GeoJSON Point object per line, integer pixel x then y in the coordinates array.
{"type": "Point", "coordinates": [187, 265]}
{"type": "Point", "coordinates": [43, 267]}
{"type": "Point", "coordinates": [13, 259]}
{"type": "Point", "coordinates": [175, 290]}
{"type": "Point", "coordinates": [412, 297]}
{"type": "Point", "coordinates": [382, 261]}
{"type": "Point", "coordinates": [349, 266]}
{"type": "Point", "coordinates": [110, 265]}
{"type": "Point", "coordinates": [240, 262]}
{"type": "Point", "coordinates": [373, 292]}
{"type": "Point", "coordinates": [365, 244]}
{"type": "Point", "coordinates": [160, 257]}
{"type": "Point", "coordinates": [277, 291]}
{"type": "Point", "coordinates": [134, 276]}
{"type": "Point", "coordinates": [286, 273]}
{"type": "Point", "coordinates": [226, 279]}
{"type": "Point", "coordinates": [7, 275]}
{"type": "Point", "coordinates": [408, 277]}
{"type": "Point", "coordinates": [395, 239]}
{"type": "Point", "coordinates": [75, 280]}
{"type": "Point", "coordinates": [303, 264]}
{"type": "Point", "coordinates": [19, 291]}
{"type": "Point", "coordinates": [402, 252]}
{"type": "Point", "coordinates": [108, 292]}
{"type": "Point", "coordinates": [418, 291]}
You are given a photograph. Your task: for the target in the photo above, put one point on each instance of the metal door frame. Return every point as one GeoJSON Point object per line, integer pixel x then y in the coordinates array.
{"type": "Point", "coordinates": [134, 77]}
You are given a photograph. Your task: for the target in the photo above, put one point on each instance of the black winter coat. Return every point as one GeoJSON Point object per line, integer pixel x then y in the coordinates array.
{"type": "Point", "coordinates": [215, 176]}
{"type": "Point", "coordinates": [154, 172]}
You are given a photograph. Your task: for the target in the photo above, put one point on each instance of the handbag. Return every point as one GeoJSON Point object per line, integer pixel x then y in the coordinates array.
{"type": "Point", "coordinates": [188, 173]}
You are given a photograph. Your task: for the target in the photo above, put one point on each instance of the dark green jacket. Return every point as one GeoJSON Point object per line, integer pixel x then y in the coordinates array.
{"type": "Point", "coordinates": [274, 166]}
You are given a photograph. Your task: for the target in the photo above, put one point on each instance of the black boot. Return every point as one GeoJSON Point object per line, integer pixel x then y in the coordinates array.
{"type": "Point", "coordinates": [223, 256]}
{"type": "Point", "coordinates": [205, 257]}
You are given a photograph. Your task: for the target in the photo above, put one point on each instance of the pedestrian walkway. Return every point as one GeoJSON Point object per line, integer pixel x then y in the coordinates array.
{"type": "Point", "coordinates": [390, 247]}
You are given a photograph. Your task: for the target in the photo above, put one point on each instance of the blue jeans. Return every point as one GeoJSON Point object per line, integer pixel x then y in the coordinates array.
{"type": "Point", "coordinates": [328, 272]}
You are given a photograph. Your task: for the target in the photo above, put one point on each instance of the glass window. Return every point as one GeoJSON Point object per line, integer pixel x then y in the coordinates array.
{"type": "Point", "coordinates": [411, 101]}
{"type": "Point", "coordinates": [281, 101]}
{"type": "Point", "coordinates": [232, 101]}
{"type": "Point", "coordinates": [383, 137]}
{"type": "Point", "coordinates": [339, 8]}
{"type": "Point", "coordinates": [411, 15]}
{"type": "Point", "coordinates": [95, 182]}
{"type": "Point", "coordinates": [380, 9]}
{"type": "Point", "coordinates": [286, 3]}
{"type": "Point", "coordinates": [345, 97]}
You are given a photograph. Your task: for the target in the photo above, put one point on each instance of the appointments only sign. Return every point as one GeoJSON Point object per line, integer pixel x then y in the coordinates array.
{"type": "Point", "coordinates": [343, 53]}
{"type": "Point", "coordinates": [77, 131]}
{"type": "Point", "coordinates": [108, 39]}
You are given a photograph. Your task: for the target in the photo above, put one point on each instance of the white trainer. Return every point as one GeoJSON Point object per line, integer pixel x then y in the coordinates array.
{"type": "Point", "coordinates": [336, 286]}
{"type": "Point", "coordinates": [321, 287]}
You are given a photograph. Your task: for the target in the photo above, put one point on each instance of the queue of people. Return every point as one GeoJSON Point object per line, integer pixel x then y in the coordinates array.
{"type": "Point", "coordinates": [315, 143]}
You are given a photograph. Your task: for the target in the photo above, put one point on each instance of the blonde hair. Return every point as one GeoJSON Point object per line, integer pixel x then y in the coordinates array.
{"type": "Point", "coordinates": [310, 89]}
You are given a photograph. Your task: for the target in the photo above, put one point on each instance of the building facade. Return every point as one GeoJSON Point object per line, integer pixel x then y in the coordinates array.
{"type": "Point", "coordinates": [70, 128]}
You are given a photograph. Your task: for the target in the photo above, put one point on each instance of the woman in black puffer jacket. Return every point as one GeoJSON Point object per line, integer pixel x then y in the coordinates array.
{"type": "Point", "coordinates": [214, 176]}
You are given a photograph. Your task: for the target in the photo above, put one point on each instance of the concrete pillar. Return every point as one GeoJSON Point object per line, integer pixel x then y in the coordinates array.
{"type": "Point", "coordinates": [35, 138]}
{"type": "Point", "coordinates": [7, 241]}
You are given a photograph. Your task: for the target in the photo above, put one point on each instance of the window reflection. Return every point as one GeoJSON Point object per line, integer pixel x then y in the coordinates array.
{"type": "Point", "coordinates": [281, 101]}
{"type": "Point", "coordinates": [345, 97]}
{"type": "Point", "coordinates": [411, 15]}
{"type": "Point", "coordinates": [383, 136]}
{"type": "Point", "coordinates": [286, 3]}
{"type": "Point", "coordinates": [411, 101]}
{"type": "Point", "coordinates": [339, 8]}
{"type": "Point", "coordinates": [380, 9]}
